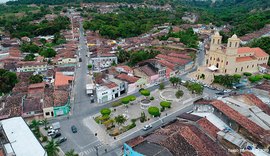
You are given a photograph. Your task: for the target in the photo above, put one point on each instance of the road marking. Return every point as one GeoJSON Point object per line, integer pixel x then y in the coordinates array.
{"type": "Point", "coordinates": [90, 143]}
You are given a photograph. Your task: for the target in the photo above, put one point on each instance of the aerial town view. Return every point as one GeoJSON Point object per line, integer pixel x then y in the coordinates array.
{"type": "Point", "coordinates": [134, 78]}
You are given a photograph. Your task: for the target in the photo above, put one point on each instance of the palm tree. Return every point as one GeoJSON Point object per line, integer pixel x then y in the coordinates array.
{"type": "Point", "coordinates": [45, 122]}
{"type": "Point", "coordinates": [120, 119]}
{"type": "Point", "coordinates": [52, 148]}
{"type": "Point", "coordinates": [34, 124]}
{"type": "Point", "coordinates": [71, 153]}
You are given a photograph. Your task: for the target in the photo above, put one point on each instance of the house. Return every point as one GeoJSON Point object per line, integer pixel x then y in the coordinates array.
{"type": "Point", "coordinates": [103, 61]}
{"type": "Point", "coordinates": [134, 83]}
{"type": "Point", "coordinates": [62, 80]}
{"type": "Point", "coordinates": [61, 102]}
{"type": "Point", "coordinates": [31, 66]}
{"type": "Point", "coordinates": [236, 121]}
{"type": "Point", "coordinates": [18, 139]}
{"type": "Point", "coordinates": [109, 88]}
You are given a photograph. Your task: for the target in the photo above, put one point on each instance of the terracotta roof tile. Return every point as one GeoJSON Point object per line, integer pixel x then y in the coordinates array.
{"type": "Point", "coordinates": [60, 97]}
{"type": "Point", "coordinates": [61, 79]}
{"type": "Point", "coordinates": [256, 101]}
{"type": "Point", "coordinates": [250, 126]}
{"type": "Point", "coordinates": [208, 127]}
{"type": "Point", "coordinates": [173, 59]}
{"type": "Point", "coordinates": [258, 52]}
{"type": "Point", "coordinates": [126, 77]}
{"type": "Point", "coordinates": [243, 59]}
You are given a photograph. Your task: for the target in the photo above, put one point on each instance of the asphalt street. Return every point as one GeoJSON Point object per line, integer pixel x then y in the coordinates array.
{"type": "Point", "coordinates": [85, 142]}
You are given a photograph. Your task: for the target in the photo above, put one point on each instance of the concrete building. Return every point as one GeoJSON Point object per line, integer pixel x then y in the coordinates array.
{"type": "Point", "coordinates": [103, 61]}
{"type": "Point", "coordinates": [230, 59]}
{"type": "Point", "coordinates": [17, 139]}
{"type": "Point", "coordinates": [31, 66]}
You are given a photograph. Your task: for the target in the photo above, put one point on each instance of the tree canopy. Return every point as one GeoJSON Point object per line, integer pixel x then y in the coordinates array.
{"type": "Point", "coordinates": [105, 112]}
{"type": "Point", "coordinates": [153, 111]}
{"type": "Point", "coordinates": [36, 79]}
{"type": "Point", "coordinates": [7, 81]}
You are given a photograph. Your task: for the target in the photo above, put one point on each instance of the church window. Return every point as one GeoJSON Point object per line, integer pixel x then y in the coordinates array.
{"type": "Point", "coordinates": [227, 63]}
{"type": "Point", "coordinates": [247, 66]}
{"type": "Point", "coordinates": [235, 69]}
{"type": "Point", "coordinates": [225, 70]}
{"type": "Point", "coordinates": [230, 44]}
{"type": "Point", "coordinates": [241, 68]}
{"type": "Point", "coordinates": [235, 44]}
{"type": "Point", "coordinates": [213, 41]}
{"type": "Point", "coordinates": [252, 65]}
{"type": "Point", "coordinates": [210, 58]}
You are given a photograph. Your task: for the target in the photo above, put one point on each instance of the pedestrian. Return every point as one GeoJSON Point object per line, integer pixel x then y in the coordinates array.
{"type": "Point", "coordinates": [67, 117]}
{"type": "Point", "coordinates": [105, 150]}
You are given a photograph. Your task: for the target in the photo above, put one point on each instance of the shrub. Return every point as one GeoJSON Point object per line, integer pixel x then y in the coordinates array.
{"type": "Point", "coordinates": [44, 138]}
{"type": "Point", "coordinates": [165, 104]}
{"type": "Point", "coordinates": [153, 111]}
{"type": "Point", "coordinates": [237, 76]}
{"type": "Point", "coordinates": [255, 78]}
{"type": "Point", "coordinates": [133, 120]}
{"type": "Point", "coordinates": [152, 98]}
{"type": "Point", "coordinates": [179, 94]}
{"type": "Point", "coordinates": [115, 104]}
{"type": "Point", "coordinates": [132, 98]}
{"type": "Point", "coordinates": [266, 76]}
{"type": "Point", "coordinates": [145, 92]}
{"type": "Point", "coordinates": [143, 117]}
{"type": "Point", "coordinates": [105, 112]}
{"type": "Point", "coordinates": [162, 109]}
{"type": "Point", "coordinates": [247, 74]}
{"type": "Point", "coordinates": [161, 86]}
{"type": "Point", "coordinates": [125, 100]}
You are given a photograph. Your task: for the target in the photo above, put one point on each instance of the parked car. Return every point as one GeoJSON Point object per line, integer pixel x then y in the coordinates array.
{"type": "Point", "coordinates": [227, 91]}
{"type": "Point", "coordinates": [56, 135]}
{"type": "Point", "coordinates": [74, 129]}
{"type": "Point", "coordinates": [220, 93]}
{"type": "Point", "coordinates": [147, 127]}
{"type": "Point", "coordinates": [52, 132]}
{"type": "Point", "coordinates": [61, 140]}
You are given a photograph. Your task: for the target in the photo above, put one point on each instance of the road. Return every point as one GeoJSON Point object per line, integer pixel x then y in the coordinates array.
{"type": "Point", "coordinates": [85, 142]}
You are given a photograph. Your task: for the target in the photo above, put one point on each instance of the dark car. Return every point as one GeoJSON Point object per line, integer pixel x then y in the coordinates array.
{"type": "Point", "coordinates": [74, 129]}
{"type": "Point", "coordinates": [220, 93]}
{"type": "Point", "coordinates": [61, 140]}
{"type": "Point", "coordinates": [56, 135]}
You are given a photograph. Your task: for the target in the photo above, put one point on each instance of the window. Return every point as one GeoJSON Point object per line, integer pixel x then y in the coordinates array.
{"type": "Point", "coordinates": [247, 66]}
{"type": "Point", "coordinates": [47, 113]}
{"type": "Point", "coordinates": [241, 68]}
{"type": "Point", "coordinates": [230, 44]}
{"type": "Point", "coordinates": [235, 69]}
{"type": "Point", "coordinates": [213, 41]}
{"type": "Point", "coordinates": [252, 65]}
{"type": "Point", "coordinates": [210, 58]}
{"type": "Point", "coordinates": [225, 70]}
{"type": "Point", "coordinates": [227, 63]}
{"type": "Point", "coordinates": [235, 44]}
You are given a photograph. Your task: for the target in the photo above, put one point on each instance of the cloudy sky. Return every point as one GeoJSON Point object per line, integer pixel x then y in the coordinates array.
{"type": "Point", "coordinates": [3, 1]}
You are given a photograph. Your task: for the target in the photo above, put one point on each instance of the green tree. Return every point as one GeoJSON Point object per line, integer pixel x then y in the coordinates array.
{"type": "Point", "coordinates": [7, 81]}
{"type": "Point", "coordinates": [122, 55]}
{"type": "Point", "coordinates": [49, 52]}
{"type": "Point", "coordinates": [247, 74]}
{"type": "Point", "coordinates": [120, 119]}
{"type": "Point", "coordinates": [195, 88]}
{"type": "Point", "coordinates": [175, 80]}
{"type": "Point", "coordinates": [145, 92]}
{"type": "Point", "coordinates": [71, 153]}
{"type": "Point", "coordinates": [36, 79]}
{"type": "Point", "coordinates": [89, 66]}
{"type": "Point", "coordinates": [29, 57]}
{"type": "Point", "coordinates": [52, 148]}
{"type": "Point", "coordinates": [179, 94]}
{"type": "Point", "coordinates": [255, 78]}
{"type": "Point", "coordinates": [161, 86]}
{"type": "Point", "coordinates": [154, 111]}
{"type": "Point", "coordinates": [105, 112]}
{"type": "Point", "coordinates": [165, 104]}
{"type": "Point", "coordinates": [142, 117]}
{"type": "Point", "coordinates": [45, 122]}
{"type": "Point", "coordinates": [266, 76]}
{"type": "Point", "coordinates": [125, 100]}
{"type": "Point", "coordinates": [29, 48]}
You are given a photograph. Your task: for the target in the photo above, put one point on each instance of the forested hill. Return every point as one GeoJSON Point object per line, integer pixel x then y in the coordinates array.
{"type": "Point", "coordinates": [246, 4]}
{"type": "Point", "coordinates": [57, 2]}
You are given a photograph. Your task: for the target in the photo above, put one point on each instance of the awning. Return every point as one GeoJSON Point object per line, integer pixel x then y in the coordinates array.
{"type": "Point", "coordinates": [213, 68]}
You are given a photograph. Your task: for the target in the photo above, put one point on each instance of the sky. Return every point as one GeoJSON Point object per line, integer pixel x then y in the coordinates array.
{"type": "Point", "coordinates": [3, 1]}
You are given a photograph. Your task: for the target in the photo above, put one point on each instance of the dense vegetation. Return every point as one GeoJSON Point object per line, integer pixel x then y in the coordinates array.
{"type": "Point", "coordinates": [130, 22]}
{"type": "Point", "coordinates": [57, 2]}
{"type": "Point", "coordinates": [227, 80]}
{"type": "Point", "coordinates": [7, 81]}
{"type": "Point", "coordinates": [141, 55]}
{"type": "Point", "coordinates": [244, 15]}
{"type": "Point", "coordinates": [188, 37]}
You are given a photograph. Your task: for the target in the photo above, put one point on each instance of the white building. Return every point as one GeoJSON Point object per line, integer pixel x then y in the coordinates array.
{"type": "Point", "coordinates": [110, 89]}
{"type": "Point", "coordinates": [103, 61]}
{"type": "Point", "coordinates": [17, 139]}
{"type": "Point", "coordinates": [31, 66]}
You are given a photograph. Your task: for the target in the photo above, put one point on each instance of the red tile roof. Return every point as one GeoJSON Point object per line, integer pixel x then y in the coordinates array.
{"type": "Point", "coordinates": [243, 59]}
{"type": "Point", "coordinates": [111, 85]}
{"type": "Point", "coordinates": [60, 97]}
{"type": "Point", "coordinates": [210, 128]}
{"type": "Point", "coordinates": [126, 68]}
{"type": "Point", "coordinates": [258, 52]}
{"type": "Point", "coordinates": [184, 56]}
{"type": "Point", "coordinates": [61, 79]}
{"type": "Point", "coordinates": [167, 64]}
{"type": "Point", "coordinates": [256, 101]}
{"type": "Point", "coordinates": [247, 153]}
{"type": "Point", "coordinates": [173, 59]}
{"type": "Point", "coordinates": [250, 126]}
{"type": "Point", "coordinates": [147, 70]}
{"type": "Point", "coordinates": [126, 77]}
{"type": "Point", "coordinates": [36, 88]}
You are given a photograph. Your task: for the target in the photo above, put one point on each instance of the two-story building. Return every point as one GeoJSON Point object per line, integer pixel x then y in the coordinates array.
{"type": "Point", "coordinates": [31, 66]}
{"type": "Point", "coordinates": [102, 62]}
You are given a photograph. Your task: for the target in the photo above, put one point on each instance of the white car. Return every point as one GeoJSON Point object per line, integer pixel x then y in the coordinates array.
{"type": "Point", "coordinates": [147, 127]}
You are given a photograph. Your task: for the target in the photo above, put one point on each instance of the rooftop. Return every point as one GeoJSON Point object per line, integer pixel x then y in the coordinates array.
{"type": "Point", "coordinates": [61, 79]}
{"type": "Point", "coordinates": [243, 59]}
{"type": "Point", "coordinates": [258, 52]}
{"type": "Point", "coordinates": [19, 135]}
{"type": "Point", "coordinates": [126, 77]}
